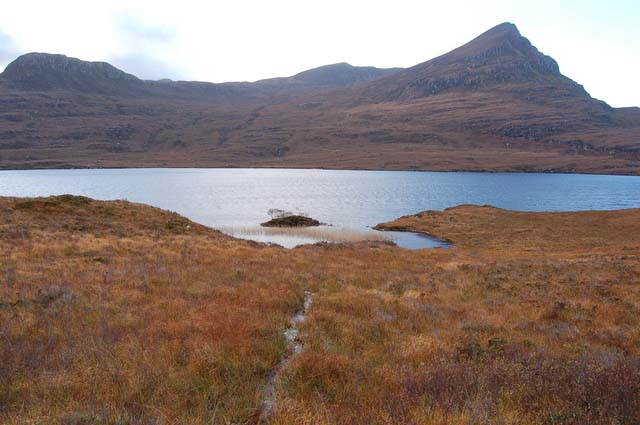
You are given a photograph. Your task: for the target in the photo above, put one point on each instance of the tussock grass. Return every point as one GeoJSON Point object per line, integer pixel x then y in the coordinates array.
{"type": "Point", "coordinates": [117, 313]}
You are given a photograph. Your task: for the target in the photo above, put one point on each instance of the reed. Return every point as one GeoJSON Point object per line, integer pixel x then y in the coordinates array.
{"type": "Point", "coordinates": [306, 234]}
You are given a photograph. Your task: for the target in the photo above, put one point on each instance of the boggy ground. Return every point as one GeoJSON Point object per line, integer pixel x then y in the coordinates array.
{"type": "Point", "coordinates": [119, 313]}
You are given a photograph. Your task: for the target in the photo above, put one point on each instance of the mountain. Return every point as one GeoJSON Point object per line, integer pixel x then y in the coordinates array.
{"type": "Point", "coordinates": [497, 57]}
{"type": "Point", "coordinates": [42, 71]}
{"type": "Point", "coordinates": [330, 76]}
{"type": "Point", "coordinates": [45, 72]}
{"type": "Point", "coordinates": [493, 104]}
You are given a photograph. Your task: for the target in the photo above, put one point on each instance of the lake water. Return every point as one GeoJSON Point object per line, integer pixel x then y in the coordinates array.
{"type": "Point", "coordinates": [236, 201]}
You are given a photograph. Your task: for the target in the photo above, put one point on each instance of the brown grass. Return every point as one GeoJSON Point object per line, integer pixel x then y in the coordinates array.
{"type": "Point", "coordinates": [496, 231]}
{"type": "Point", "coordinates": [118, 313]}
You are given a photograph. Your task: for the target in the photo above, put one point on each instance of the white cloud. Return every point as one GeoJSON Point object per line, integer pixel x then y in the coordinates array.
{"type": "Point", "coordinates": [145, 67]}
{"type": "Point", "coordinates": [143, 49]}
{"type": "Point", "coordinates": [8, 50]}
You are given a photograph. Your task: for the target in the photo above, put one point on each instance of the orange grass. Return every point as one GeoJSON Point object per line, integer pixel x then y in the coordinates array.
{"type": "Point", "coordinates": [117, 313]}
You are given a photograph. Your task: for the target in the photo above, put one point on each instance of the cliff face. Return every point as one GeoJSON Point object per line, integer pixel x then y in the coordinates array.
{"type": "Point", "coordinates": [493, 104]}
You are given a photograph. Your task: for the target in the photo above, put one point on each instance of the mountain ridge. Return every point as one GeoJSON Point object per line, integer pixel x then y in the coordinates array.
{"type": "Point", "coordinates": [46, 71]}
{"type": "Point", "coordinates": [495, 103]}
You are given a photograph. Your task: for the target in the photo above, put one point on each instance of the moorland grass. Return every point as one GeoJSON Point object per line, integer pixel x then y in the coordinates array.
{"type": "Point", "coordinates": [119, 313]}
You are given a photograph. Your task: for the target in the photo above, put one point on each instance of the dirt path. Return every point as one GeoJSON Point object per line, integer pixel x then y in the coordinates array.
{"type": "Point", "coordinates": [294, 347]}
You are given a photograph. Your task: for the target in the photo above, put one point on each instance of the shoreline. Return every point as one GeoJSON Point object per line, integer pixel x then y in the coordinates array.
{"type": "Point", "coordinates": [465, 171]}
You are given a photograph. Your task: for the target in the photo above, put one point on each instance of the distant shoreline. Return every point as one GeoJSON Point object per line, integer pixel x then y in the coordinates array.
{"type": "Point", "coordinates": [178, 167]}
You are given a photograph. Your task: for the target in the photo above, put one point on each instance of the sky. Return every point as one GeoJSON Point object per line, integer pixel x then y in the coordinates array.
{"type": "Point", "coordinates": [596, 43]}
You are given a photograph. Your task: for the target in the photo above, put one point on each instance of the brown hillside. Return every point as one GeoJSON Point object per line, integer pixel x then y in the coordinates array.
{"type": "Point", "coordinates": [494, 104]}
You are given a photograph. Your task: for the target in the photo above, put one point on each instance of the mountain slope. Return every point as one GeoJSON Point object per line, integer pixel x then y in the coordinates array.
{"type": "Point", "coordinates": [499, 56]}
{"type": "Point", "coordinates": [494, 104]}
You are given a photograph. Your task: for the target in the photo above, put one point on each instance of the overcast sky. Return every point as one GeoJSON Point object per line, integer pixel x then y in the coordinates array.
{"type": "Point", "coordinates": [596, 43]}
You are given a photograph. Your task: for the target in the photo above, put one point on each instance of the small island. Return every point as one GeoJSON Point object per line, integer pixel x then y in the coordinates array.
{"type": "Point", "coordinates": [292, 221]}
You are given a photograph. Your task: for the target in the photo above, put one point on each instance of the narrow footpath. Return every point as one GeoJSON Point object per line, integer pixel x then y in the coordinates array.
{"type": "Point", "coordinates": [294, 348]}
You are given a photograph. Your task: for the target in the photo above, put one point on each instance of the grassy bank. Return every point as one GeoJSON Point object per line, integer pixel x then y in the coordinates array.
{"type": "Point", "coordinates": [119, 313]}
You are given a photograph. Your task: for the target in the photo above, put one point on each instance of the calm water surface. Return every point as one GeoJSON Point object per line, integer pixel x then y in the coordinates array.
{"type": "Point", "coordinates": [237, 200]}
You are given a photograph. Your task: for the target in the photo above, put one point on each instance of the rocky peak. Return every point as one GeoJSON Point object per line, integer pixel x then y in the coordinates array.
{"type": "Point", "coordinates": [505, 29]}
{"type": "Point", "coordinates": [498, 56]}
{"type": "Point", "coordinates": [50, 71]}
{"type": "Point", "coordinates": [502, 46]}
